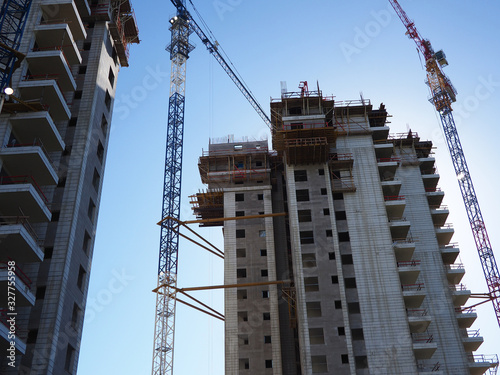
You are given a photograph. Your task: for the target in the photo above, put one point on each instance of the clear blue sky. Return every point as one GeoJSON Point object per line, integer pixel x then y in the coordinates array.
{"type": "Point", "coordinates": [349, 47]}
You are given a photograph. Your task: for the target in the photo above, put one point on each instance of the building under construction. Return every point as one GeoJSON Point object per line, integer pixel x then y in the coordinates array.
{"type": "Point", "coordinates": [371, 279]}
{"type": "Point", "coordinates": [54, 130]}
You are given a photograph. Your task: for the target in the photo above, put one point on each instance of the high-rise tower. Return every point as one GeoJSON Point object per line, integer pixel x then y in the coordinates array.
{"type": "Point", "coordinates": [374, 283]}
{"type": "Point", "coordinates": [54, 132]}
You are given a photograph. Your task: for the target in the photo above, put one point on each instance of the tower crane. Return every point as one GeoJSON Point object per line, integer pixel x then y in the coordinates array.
{"type": "Point", "coordinates": [443, 94]}
{"type": "Point", "coordinates": [182, 26]}
{"type": "Point", "coordinates": [13, 16]}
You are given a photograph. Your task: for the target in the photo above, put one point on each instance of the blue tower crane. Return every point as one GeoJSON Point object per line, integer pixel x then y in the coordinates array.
{"type": "Point", "coordinates": [182, 25]}
{"type": "Point", "coordinates": [13, 16]}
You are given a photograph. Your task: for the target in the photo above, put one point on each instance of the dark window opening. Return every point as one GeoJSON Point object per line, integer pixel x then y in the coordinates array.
{"type": "Point", "coordinates": [361, 361]}
{"type": "Point", "coordinates": [72, 121]}
{"type": "Point", "coordinates": [240, 213]}
{"type": "Point", "coordinates": [107, 100]}
{"type": "Point", "coordinates": [323, 191]}
{"type": "Point", "coordinates": [55, 216]}
{"type": "Point", "coordinates": [302, 195]}
{"type": "Point", "coordinates": [300, 175]}
{"type": "Point", "coordinates": [313, 309]}
{"type": "Point", "coordinates": [91, 210]}
{"type": "Point", "coordinates": [263, 273]}
{"type": "Point", "coordinates": [70, 358]}
{"type": "Point", "coordinates": [241, 253]}
{"type": "Point", "coordinates": [32, 335]}
{"type": "Point", "coordinates": [338, 196]}
{"type": "Point", "coordinates": [269, 363]}
{"type": "Point", "coordinates": [100, 152]}
{"type": "Point", "coordinates": [244, 364]}
{"type": "Point", "coordinates": [40, 292]}
{"type": "Point", "coordinates": [338, 304]}
{"type": "Point", "coordinates": [311, 284]}
{"type": "Point", "coordinates": [353, 308]}
{"type": "Point", "coordinates": [340, 215]}
{"type": "Point", "coordinates": [111, 77]}
{"type": "Point", "coordinates": [344, 358]}
{"type": "Point", "coordinates": [260, 197]}
{"type": "Point", "coordinates": [308, 260]}
{"type": "Point", "coordinates": [335, 279]}
{"type": "Point", "coordinates": [321, 172]}
{"type": "Point", "coordinates": [357, 334]}
{"type": "Point", "coordinates": [267, 339]}
{"type": "Point", "coordinates": [344, 237]}
{"type": "Point", "coordinates": [347, 259]}
{"type": "Point", "coordinates": [240, 233]}
{"type": "Point", "coordinates": [326, 211]}
{"type": "Point", "coordinates": [266, 316]}
{"type": "Point", "coordinates": [81, 278]}
{"type": "Point", "coordinates": [240, 197]}
{"type": "Point", "coordinates": [329, 233]}
{"type": "Point", "coordinates": [306, 237]}
{"type": "Point", "coordinates": [341, 331]}
{"type": "Point", "coordinates": [304, 216]}
{"type": "Point", "coordinates": [241, 273]}
{"type": "Point", "coordinates": [48, 252]}
{"type": "Point", "coordinates": [350, 282]}
{"type": "Point", "coordinates": [78, 94]}
{"type": "Point", "coordinates": [263, 253]}
{"type": "Point", "coordinates": [331, 255]}
{"type": "Point", "coordinates": [82, 69]}
{"type": "Point", "coordinates": [86, 46]}
{"type": "Point", "coordinates": [96, 179]}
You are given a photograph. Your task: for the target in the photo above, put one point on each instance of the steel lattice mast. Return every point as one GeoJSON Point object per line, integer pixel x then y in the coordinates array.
{"type": "Point", "coordinates": [179, 49]}
{"type": "Point", "coordinates": [13, 16]}
{"type": "Point", "coordinates": [442, 95]}
{"type": "Point", "coordinates": [182, 25]}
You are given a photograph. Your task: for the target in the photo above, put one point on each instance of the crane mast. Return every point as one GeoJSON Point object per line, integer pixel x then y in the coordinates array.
{"type": "Point", "coordinates": [13, 16]}
{"type": "Point", "coordinates": [182, 26]}
{"type": "Point", "coordinates": [443, 95]}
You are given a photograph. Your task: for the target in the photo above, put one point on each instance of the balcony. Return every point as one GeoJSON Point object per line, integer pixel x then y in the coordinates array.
{"type": "Point", "coordinates": [391, 188]}
{"type": "Point", "coordinates": [403, 248]}
{"type": "Point", "coordinates": [22, 194]}
{"type": "Point", "coordinates": [424, 346]}
{"type": "Point", "coordinates": [37, 125]}
{"type": "Point", "coordinates": [413, 295]}
{"type": "Point", "coordinates": [460, 294]}
{"type": "Point", "coordinates": [430, 180]}
{"type": "Point", "coordinates": [399, 227]}
{"type": "Point", "coordinates": [4, 335]}
{"type": "Point", "coordinates": [19, 240]}
{"type": "Point", "coordinates": [426, 164]}
{"type": "Point", "coordinates": [395, 205]}
{"type": "Point", "coordinates": [47, 35]}
{"type": "Point", "coordinates": [465, 317]}
{"type": "Point", "coordinates": [472, 340]}
{"type": "Point", "coordinates": [439, 215]}
{"type": "Point", "coordinates": [24, 297]}
{"type": "Point", "coordinates": [387, 168]}
{"type": "Point", "coordinates": [29, 159]}
{"type": "Point", "coordinates": [51, 62]}
{"type": "Point", "coordinates": [454, 273]}
{"type": "Point", "coordinates": [434, 197]}
{"type": "Point", "coordinates": [408, 271]}
{"type": "Point", "coordinates": [449, 253]}
{"type": "Point", "coordinates": [83, 7]}
{"type": "Point", "coordinates": [444, 234]}
{"type": "Point", "coordinates": [383, 150]}
{"type": "Point", "coordinates": [418, 320]}
{"type": "Point", "coordinates": [380, 133]}
{"type": "Point", "coordinates": [45, 88]}
{"type": "Point", "coordinates": [65, 12]}
{"type": "Point", "coordinates": [480, 363]}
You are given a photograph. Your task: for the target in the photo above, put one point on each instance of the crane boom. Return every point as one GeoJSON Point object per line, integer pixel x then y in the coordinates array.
{"type": "Point", "coordinates": [182, 25]}
{"type": "Point", "coordinates": [442, 96]}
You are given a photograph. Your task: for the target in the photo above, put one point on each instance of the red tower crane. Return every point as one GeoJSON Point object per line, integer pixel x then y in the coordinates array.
{"type": "Point", "coordinates": [442, 95]}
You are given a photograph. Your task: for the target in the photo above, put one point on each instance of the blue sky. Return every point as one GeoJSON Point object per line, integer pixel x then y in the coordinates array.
{"type": "Point", "coordinates": [349, 47]}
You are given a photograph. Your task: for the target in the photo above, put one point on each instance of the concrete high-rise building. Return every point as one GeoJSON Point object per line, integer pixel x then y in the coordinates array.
{"type": "Point", "coordinates": [54, 132]}
{"type": "Point", "coordinates": [373, 286]}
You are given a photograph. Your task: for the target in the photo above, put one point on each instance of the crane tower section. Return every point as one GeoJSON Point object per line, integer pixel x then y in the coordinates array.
{"type": "Point", "coordinates": [443, 94]}
{"type": "Point", "coordinates": [13, 16]}
{"type": "Point", "coordinates": [179, 49]}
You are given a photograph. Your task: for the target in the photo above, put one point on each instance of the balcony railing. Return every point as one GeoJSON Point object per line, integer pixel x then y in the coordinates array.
{"type": "Point", "coordinates": [19, 273]}
{"type": "Point", "coordinates": [387, 160]}
{"type": "Point", "coordinates": [410, 263]}
{"type": "Point", "coordinates": [13, 220]}
{"type": "Point", "coordinates": [36, 143]}
{"type": "Point", "coordinates": [412, 287]}
{"type": "Point", "coordinates": [417, 312]}
{"type": "Point", "coordinates": [457, 288]}
{"type": "Point", "coordinates": [13, 180]}
{"type": "Point", "coordinates": [394, 198]}
{"type": "Point", "coordinates": [422, 338]}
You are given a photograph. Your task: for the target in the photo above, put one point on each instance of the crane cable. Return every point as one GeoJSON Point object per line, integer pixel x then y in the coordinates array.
{"type": "Point", "coordinates": [219, 48]}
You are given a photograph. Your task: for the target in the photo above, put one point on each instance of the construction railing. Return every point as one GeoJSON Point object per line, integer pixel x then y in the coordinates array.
{"type": "Point", "coordinates": [412, 287]}
{"type": "Point", "coordinates": [417, 312]}
{"type": "Point", "coordinates": [410, 263]}
{"type": "Point", "coordinates": [36, 143]}
{"type": "Point", "coordinates": [13, 220]}
{"type": "Point", "coordinates": [13, 180]}
{"type": "Point", "coordinates": [388, 198]}
{"type": "Point", "coordinates": [422, 338]}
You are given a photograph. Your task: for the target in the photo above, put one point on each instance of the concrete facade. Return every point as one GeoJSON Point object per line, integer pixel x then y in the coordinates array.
{"type": "Point", "coordinates": [61, 109]}
{"type": "Point", "coordinates": [370, 280]}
